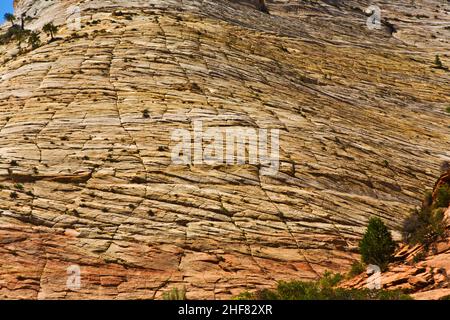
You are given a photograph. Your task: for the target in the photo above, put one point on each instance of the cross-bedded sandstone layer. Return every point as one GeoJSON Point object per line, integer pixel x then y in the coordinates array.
{"type": "Point", "coordinates": [85, 125]}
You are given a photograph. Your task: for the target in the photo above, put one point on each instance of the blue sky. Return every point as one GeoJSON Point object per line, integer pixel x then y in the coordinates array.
{"type": "Point", "coordinates": [5, 6]}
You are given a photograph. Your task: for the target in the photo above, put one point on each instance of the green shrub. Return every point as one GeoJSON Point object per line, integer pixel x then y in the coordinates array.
{"type": "Point", "coordinates": [419, 257]}
{"type": "Point", "coordinates": [10, 18]}
{"type": "Point", "coordinates": [320, 290]}
{"type": "Point", "coordinates": [357, 268]}
{"type": "Point", "coordinates": [330, 279]}
{"type": "Point", "coordinates": [175, 294]}
{"type": "Point", "coordinates": [297, 290]}
{"type": "Point", "coordinates": [442, 197]}
{"type": "Point", "coordinates": [438, 62]}
{"type": "Point", "coordinates": [23, 36]}
{"type": "Point", "coordinates": [34, 41]}
{"type": "Point", "coordinates": [377, 245]}
{"type": "Point", "coordinates": [51, 30]}
{"type": "Point", "coordinates": [23, 19]}
{"type": "Point", "coordinates": [262, 6]}
{"type": "Point", "coordinates": [18, 186]}
{"type": "Point", "coordinates": [427, 199]}
{"type": "Point", "coordinates": [414, 227]}
{"type": "Point", "coordinates": [13, 33]}
{"type": "Point", "coordinates": [426, 224]}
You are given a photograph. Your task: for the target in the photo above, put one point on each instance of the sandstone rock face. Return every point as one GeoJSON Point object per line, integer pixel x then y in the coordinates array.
{"type": "Point", "coordinates": [421, 270]}
{"type": "Point", "coordinates": [86, 174]}
{"type": "Point", "coordinates": [426, 279]}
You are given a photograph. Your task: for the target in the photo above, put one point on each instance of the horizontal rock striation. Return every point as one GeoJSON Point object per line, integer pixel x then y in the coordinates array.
{"type": "Point", "coordinates": [86, 176]}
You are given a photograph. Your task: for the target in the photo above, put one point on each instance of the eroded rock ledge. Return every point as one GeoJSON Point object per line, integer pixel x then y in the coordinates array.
{"type": "Point", "coordinates": [420, 270]}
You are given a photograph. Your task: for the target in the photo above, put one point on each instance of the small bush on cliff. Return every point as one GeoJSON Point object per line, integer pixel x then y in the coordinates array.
{"type": "Point", "coordinates": [51, 30]}
{"type": "Point", "coordinates": [24, 19]}
{"type": "Point", "coordinates": [426, 225]}
{"type": "Point", "coordinates": [330, 279]}
{"type": "Point", "coordinates": [10, 18]}
{"type": "Point", "coordinates": [324, 289]}
{"type": "Point", "coordinates": [20, 35]}
{"type": "Point", "coordinates": [263, 7]}
{"type": "Point", "coordinates": [175, 294]}
{"type": "Point", "coordinates": [442, 197]}
{"type": "Point", "coordinates": [13, 33]}
{"type": "Point", "coordinates": [357, 268]}
{"type": "Point", "coordinates": [34, 41]}
{"type": "Point", "coordinates": [438, 63]}
{"type": "Point", "coordinates": [377, 245]}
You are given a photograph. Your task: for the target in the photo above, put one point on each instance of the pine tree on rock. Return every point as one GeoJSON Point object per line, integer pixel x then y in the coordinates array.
{"type": "Point", "coordinates": [10, 18]}
{"type": "Point", "coordinates": [377, 245]}
{"type": "Point", "coordinates": [51, 30]}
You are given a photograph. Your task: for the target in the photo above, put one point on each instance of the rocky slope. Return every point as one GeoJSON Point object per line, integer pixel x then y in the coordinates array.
{"type": "Point", "coordinates": [424, 280]}
{"type": "Point", "coordinates": [420, 270]}
{"type": "Point", "coordinates": [85, 137]}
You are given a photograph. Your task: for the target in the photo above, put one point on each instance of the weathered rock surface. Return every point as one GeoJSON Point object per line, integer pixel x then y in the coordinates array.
{"type": "Point", "coordinates": [423, 271]}
{"type": "Point", "coordinates": [426, 279]}
{"type": "Point", "coordinates": [87, 180]}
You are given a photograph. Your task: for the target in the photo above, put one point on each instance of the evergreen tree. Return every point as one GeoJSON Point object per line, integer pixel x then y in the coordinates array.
{"type": "Point", "coordinates": [377, 245]}
{"type": "Point", "coordinates": [23, 19]}
{"type": "Point", "coordinates": [34, 40]}
{"type": "Point", "coordinates": [51, 30]}
{"type": "Point", "coordinates": [10, 18]}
